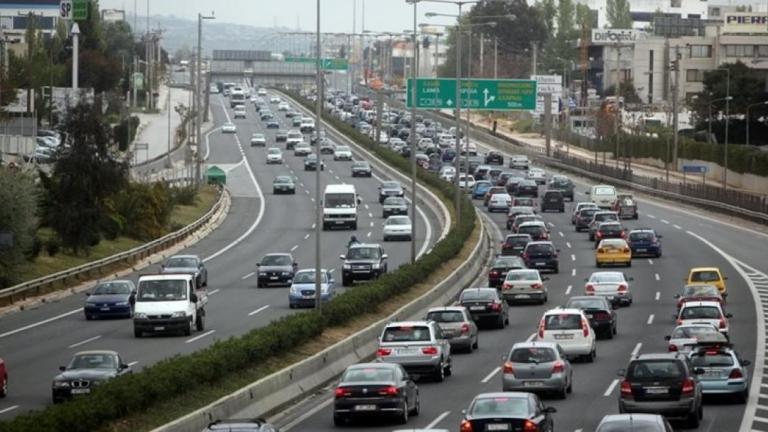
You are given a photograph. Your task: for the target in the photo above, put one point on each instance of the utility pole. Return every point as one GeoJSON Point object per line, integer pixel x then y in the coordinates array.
{"type": "Point", "coordinates": [75, 58]}
{"type": "Point", "coordinates": [727, 122]}
{"type": "Point", "coordinates": [617, 120]}
{"type": "Point", "coordinates": [415, 74]}
{"type": "Point", "coordinates": [675, 96]}
{"type": "Point", "coordinates": [495, 57]}
{"type": "Point", "coordinates": [534, 58]}
{"type": "Point", "coordinates": [318, 199]}
{"type": "Point", "coordinates": [482, 55]}
{"type": "Point", "coordinates": [548, 122]}
{"type": "Point", "coordinates": [168, 108]}
{"type": "Point", "coordinates": [457, 115]}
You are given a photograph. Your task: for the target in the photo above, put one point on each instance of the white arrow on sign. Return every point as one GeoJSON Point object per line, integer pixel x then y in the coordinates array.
{"type": "Point", "coordinates": [486, 98]}
{"type": "Point", "coordinates": [449, 102]}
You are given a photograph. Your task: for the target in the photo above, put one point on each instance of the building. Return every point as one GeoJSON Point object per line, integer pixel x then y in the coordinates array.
{"type": "Point", "coordinates": [15, 16]}
{"type": "Point", "coordinates": [112, 15]}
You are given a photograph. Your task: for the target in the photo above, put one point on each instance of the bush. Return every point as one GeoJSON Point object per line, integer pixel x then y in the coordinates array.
{"type": "Point", "coordinates": [35, 249]}
{"type": "Point", "coordinates": [185, 195]}
{"type": "Point", "coordinates": [53, 246]}
{"type": "Point", "coordinates": [146, 210]}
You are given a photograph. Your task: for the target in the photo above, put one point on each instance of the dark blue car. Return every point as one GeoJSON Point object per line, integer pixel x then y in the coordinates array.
{"type": "Point", "coordinates": [644, 242]}
{"type": "Point", "coordinates": [480, 188]}
{"type": "Point", "coordinates": [111, 299]}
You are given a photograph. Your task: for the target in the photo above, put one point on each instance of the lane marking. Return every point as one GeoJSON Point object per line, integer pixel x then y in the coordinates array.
{"type": "Point", "coordinates": [665, 221]}
{"type": "Point", "coordinates": [560, 233]}
{"type": "Point", "coordinates": [568, 244]}
{"type": "Point", "coordinates": [637, 349]}
{"type": "Point", "coordinates": [657, 276]}
{"type": "Point", "coordinates": [74, 345]}
{"type": "Point", "coordinates": [370, 215]}
{"type": "Point", "coordinates": [39, 323]}
{"type": "Point", "coordinates": [613, 385]}
{"type": "Point", "coordinates": [312, 199]}
{"type": "Point", "coordinates": [371, 223]}
{"type": "Point", "coordinates": [369, 234]}
{"type": "Point", "coordinates": [198, 337]}
{"type": "Point", "coordinates": [573, 272]}
{"type": "Point", "coordinates": [213, 292]}
{"type": "Point", "coordinates": [573, 257]}
{"type": "Point", "coordinates": [658, 295]}
{"type": "Point", "coordinates": [366, 206]}
{"type": "Point", "coordinates": [258, 310]}
{"type": "Point", "coordinates": [437, 420]}
{"type": "Point", "coordinates": [314, 225]}
{"type": "Point", "coordinates": [294, 248]}
{"type": "Point", "coordinates": [306, 191]}
{"type": "Point", "coordinates": [650, 319]}
{"type": "Point", "coordinates": [651, 216]}
{"type": "Point", "coordinates": [306, 236]}
{"type": "Point", "coordinates": [490, 375]}
{"type": "Point", "coordinates": [248, 275]}
{"type": "Point", "coordinates": [317, 408]}
{"type": "Point", "coordinates": [133, 363]}
{"type": "Point", "coordinates": [650, 261]}
{"type": "Point", "coordinates": [531, 337]}
{"type": "Point", "coordinates": [10, 408]}
{"type": "Point", "coordinates": [568, 290]}
{"type": "Point", "coordinates": [677, 226]}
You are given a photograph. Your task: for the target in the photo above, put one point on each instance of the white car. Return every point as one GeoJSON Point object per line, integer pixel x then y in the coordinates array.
{"type": "Point", "coordinates": [397, 227]}
{"type": "Point", "coordinates": [602, 195]}
{"type": "Point", "coordinates": [524, 285]}
{"type": "Point", "coordinates": [425, 143]}
{"type": "Point", "coordinates": [519, 162]}
{"type": "Point", "coordinates": [262, 92]}
{"type": "Point", "coordinates": [274, 155]}
{"type": "Point", "coordinates": [342, 152]}
{"type": "Point", "coordinates": [274, 100]}
{"type": "Point", "coordinates": [240, 111]}
{"type": "Point", "coordinates": [258, 139]}
{"type": "Point", "coordinates": [466, 182]}
{"type": "Point", "coordinates": [538, 175]}
{"type": "Point", "coordinates": [283, 107]}
{"type": "Point", "coordinates": [499, 202]}
{"type": "Point", "coordinates": [704, 312]}
{"type": "Point", "coordinates": [302, 149]}
{"type": "Point", "coordinates": [447, 173]}
{"type": "Point", "coordinates": [570, 329]}
{"type": "Point", "coordinates": [612, 285]}
{"type": "Point", "coordinates": [684, 338]}
{"type": "Point", "coordinates": [229, 127]}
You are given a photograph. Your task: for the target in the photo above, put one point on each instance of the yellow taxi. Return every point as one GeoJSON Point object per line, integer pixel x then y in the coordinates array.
{"type": "Point", "coordinates": [613, 251]}
{"type": "Point", "coordinates": [710, 276]}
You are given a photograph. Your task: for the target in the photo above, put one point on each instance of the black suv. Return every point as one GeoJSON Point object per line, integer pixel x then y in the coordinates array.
{"type": "Point", "coordinates": [553, 200]}
{"type": "Point", "coordinates": [494, 158]}
{"type": "Point", "coordinates": [665, 384]}
{"type": "Point", "coordinates": [388, 189]}
{"type": "Point", "coordinates": [563, 184]}
{"type": "Point", "coordinates": [607, 230]}
{"type": "Point", "coordinates": [542, 255]}
{"type": "Point", "coordinates": [363, 262]}
{"type": "Point", "coordinates": [276, 269]}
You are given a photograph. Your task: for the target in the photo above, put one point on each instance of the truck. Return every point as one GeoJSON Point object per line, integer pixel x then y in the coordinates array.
{"type": "Point", "coordinates": [167, 303]}
{"type": "Point", "coordinates": [340, 202]}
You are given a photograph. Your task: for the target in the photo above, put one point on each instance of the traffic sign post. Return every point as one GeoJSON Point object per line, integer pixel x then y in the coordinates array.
{"type": "Point", "coordinates": [326, 64]}
{"type": "Point", "coordinates": [476, 94]}
{"type": "Point", "coordinates": [76, 10]}
{"type": "Point", "coordinates": [702, 169]}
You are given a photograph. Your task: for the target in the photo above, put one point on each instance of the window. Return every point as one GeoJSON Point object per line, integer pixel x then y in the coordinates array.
{"type": "Point", "coordinates": [701, 51]}
{"type": "Point", "coordinates": [714, 12]}
{"type": "Point", "coordinates": [762, 50]}
{"type": "Point", "coordinates": [739, 50]}
{"type": "Point", "coordinates": [694, 75]}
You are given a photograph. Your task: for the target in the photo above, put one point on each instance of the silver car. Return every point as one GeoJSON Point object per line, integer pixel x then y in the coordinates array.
{"type": "Point", "coordinates": [684, 338]}
{"type": "Point", "coordinates": [524, 286]}
{"type": "Point", "coordinates": [612, 285]}
{"type": "Point", "coordinates": [537, 367]}
{"type": "Point", "coordinates": [457, 326]}
{"type": "Point", "coordinates": [419, 346]}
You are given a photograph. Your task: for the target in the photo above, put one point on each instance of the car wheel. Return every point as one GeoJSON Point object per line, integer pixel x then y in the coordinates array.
{"type": "Point", "coordinates": [291, 306]}
{"type": "Point", "coordinates": [477, 343]}
{"type": "Point", "coordinates": [562, 393]}
{"type": "Point", "coordinates": [439, 373]}
{"type": "Point", "coordinates": [339, 420]}
{"type": "Point", "coordinates": [188, 329]}
{"type": "Point", "coordinates": [88, 317]}
{"type": "Point", "coordinates": [629, 263]}
{"type": "Point", "coordinates": [200, 322]}
{"type": "Point", "coordinates": [137, 333]}
{"type": "Point", "coordinates": [4, 387]}
{"type": "Point", "coordinates": [403, 418]}
{"type": "Point", "coordinates": [416, 406]}
{"type": "Point", "coordinates": [693, 419]}
{"type": "Point", "coordinates": [592, 355]}
{"type": "Point", "coordinates": [500, 322]}
{"type": "Point", "coordinates": [570, 385]}
{"type": "Point", "coordinates": [615, 331]}
{"type": "Point", "coordinates": [742, 396]}
{"type": "Point", "coordinates": [448, 370]}
{"type": "Point", "coordinates": [658, 255]}
{"type": "Point", "coordinates": [556, 269]}
{"type": "Point", "coordinates": [597, 264]}
{"type": "Point", "coordinates": [609, 334]}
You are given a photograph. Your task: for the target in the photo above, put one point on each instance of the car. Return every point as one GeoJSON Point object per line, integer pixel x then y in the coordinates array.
{"type": "Point", "coordinates": [570, 329]}
{"type": "Point", "coordinates": [708, 275]}
{"type": "Point", "coordinates": [503, 177]}
{"type": "Point", "coordinates": [507, 411]}
{"type": "Point", "coordinates": [310, 163]}
{"type": "Point", "coordinates": [553, 200]}
{"type": "Point", "coordinates": [626, 206]}
{"type": "Point", "coordinates": [272, 124]}
{"type": "Point", "coordinates": [342, 153]}
{"type": "Point", "coordinates": [602, 195]}
{"type": "Point", "coordinates": [388, 189]}
{"type": "Point", "coordinates": [524, 285]}
{"type": "Point", "coordinates": [86, 370]}
{"type": "Point", "coordinates": [480, 188]}
{"type": "Point", "coordinates": [523, 201]}
{"type": "Point", "coordinates": [302, 292]}
{"type": "Point", "coordinates": [523, 218]}
{"type": "Point", "coordinates": [110, 299]}
{"type": "Point", "coordinates": [262, 92]}
{"type": "Point", "coordinates": [527, 188]}
{"type": "Point", "coordinates": [609, 230]}
{"type": "Point", "coordinates": [584, 217]}
{"type": "Point", "coordinates": [187, 264]}
{"type": "Point", "coordinates": [563, 184]}
{"type": "Point", "coordinates": [293, 138]}
{"type": "Point", "coordinates": [519, 162]}
{"type": "Point", "coordinates": [514, 244]}
{"type": "Point", "coordinates": [240, 111]}
{"type": "Point", "coordinates": [481, 173]}
{"type": "Point", "coordinates": [274, 155]}
{"type": "Point", "coordinates": [491, 192]}
{"type": "Point", "coordinates": [284, 184]}
{"type": "Point", "coordinates": [265, 115]}
{"type": "Point", "coordinates": [644, 242]}
{"type": "Point", "coordinates": [542, 255]}
{"type": "Point", "coordinates": [662, 383]}
{"type": "Point", "coordinates": [501, 266]}
{"type": "Point", "coordinates": [276, 269]}
{"type": "Point", "coordinates": [375, 389]}
{"type": "Point", "coordinates": [684, 338]}
{"type": "Point", "coordinates": [283, 106]}
{"type": "Point", "coordinates": [598, 218]}
{"type": "Point", "coordinates": [296, 121]}
{"type": "Point", "coordinates": [485, 304]}
{"type": "Point", "coordinates": [361, 169]}
{"type": "Point", "coordinates": [628, 422]}
{"type": "Point", "coordinates": [499, 202]}
{"type": "Point", "coordinates": [537, 367]}
{"type": "Point", "coordinates": [281, 136]}
{"type": "Point", "coordinates": [516, 211]}
{"type": "Point", "coordinates": [708, 312]}
{"type": "Point", "coordinates": [418, 346]}
{"type": "Point", "coordinates": [537, 230]}
{"type": "Point", "coordinates": [494, 158]}
{"type": "Point", "coordinates": [3, 379]}
{"type": "Point", "coordinates": [241, 425]}
{"type": "Point", "coordinates": [600, 313]}
{"type": "Point", "coordinates": [580, 206]}
{"type": "Point", "coordinates": [613, 285]}
{"type": "Point", "coordinates": [513, 185]}
{"type": "Point", "coordinates": [229, 127]}
{"type": "Point", "coordinates": [274, 100]}
{"type": "Point", "coordinates": [466, 181]}
{"type": "Point", "coordinates": [302, 149]}
{"type": "Point", "coordinates": [397, 227]}
{"type": "Point", "coordinates": [327, 147]}
{"type": "Point", "coordinates": [538, 175]}
{"type": "Point", "coordinates": [258, 139]}
{"type": "Point", "coordinates": [613, 251]}
{"type": "Point", "coordinates": [394, 206]}
{"type": "Point", "coordinates": [457, 326]}
{"type": "Point", "coordinates": [363, 262]}
{"type": "Point", "coordinates": [699, 292]}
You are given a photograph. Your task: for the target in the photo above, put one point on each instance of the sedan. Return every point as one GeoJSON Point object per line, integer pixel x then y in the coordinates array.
{"type": "Point", "coordinates": [342, 153]}
{"type": "Point", "coordinates": [528, 188]}
{"type": "Point", "coordinates": [258, 139]}
{"type": "Point", "coordinates": [229, 127]}
{"type": "Point", "coordinates": [614, 286]}
{"type": "Point", "coordinates": [537, 367]}
{"type": "Point", "coordinates": [109, 299]}
{"type": "Point", "coordinates": [704, 312]}
{"type": "Point", "coordinates": [524, 286]}
{"type": "Point", "coordinates": [494, 158]}
{"type": "Point", "coordinates": [266, 115]}
{"type": "Point", "coordinates": [375, 389]}
{"type": "Point", "coordinates": [507, 411]}
{"type": "Point", "coordinates": [361, 169]}
{"type": "Point", "coordinates": [514, 244]}
{"type": "Point", "coordinates": [493, 190]}
{"type": "Point", "coordinates": [501, 266]}
{"type": "Point", "coordinates": [187, 264]}
{"type": "Point", "coordinates": [273, 124]}
{"type": "Point", "coordinates": [686, 337]}
{"type": "Point", "coordinates": [613, 251]}
{"type": "Point", "coordinates": [397, 227]}
{"type": "Point", "coordinates": [609, 230]}
{"type": "Point", "coordinates": [274, 156]}
{"type": "Point", "coordinates": [394, 206]}
{"type": "Point", "coordinates": [281, 136]}
{"type": "Point", "coordinates": [302, 292]}
{"type": "Point", "coordinates": [627, 422]}
{"type": "Point", "coordinates": [457, 326]}
{"type": "Point", "coordinates": [276, 269]}
{"type": "Point", "coordinates": [284, 185]}
{"type": "Point", "coordinates": [580, 206]}
{"type": "Point", "coordinates": [499, 202]}
{"type": "Point", "coordinates": [485, 303]}
{"type": "Point", "coordinates": [600, 313]}
{"type": "Point", "coordinates": [538, 175]}
{"type": "Point", "coordinates": [86, 370]}
{"type": "Point", "coordinates": [390, 188]}
{"type": "Point", "coordinates": [699, 292]}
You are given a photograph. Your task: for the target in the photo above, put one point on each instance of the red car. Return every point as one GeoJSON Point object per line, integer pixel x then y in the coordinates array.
{"type": "Point", "coordinates": [3, 379]}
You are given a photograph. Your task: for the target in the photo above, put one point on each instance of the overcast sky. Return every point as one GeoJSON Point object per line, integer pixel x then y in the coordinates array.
{"type": "Point", "coordinates": [336, 16]}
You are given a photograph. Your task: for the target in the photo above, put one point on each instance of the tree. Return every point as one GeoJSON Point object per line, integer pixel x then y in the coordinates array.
{"type": "Point", "coordinates": [18, 221]}
{"type": "Point", "coordinates": [548, 12]}
{"type": "Point", "coordinates": [618, 14]}
{"type": "Point", "coordinates": [626, 90]}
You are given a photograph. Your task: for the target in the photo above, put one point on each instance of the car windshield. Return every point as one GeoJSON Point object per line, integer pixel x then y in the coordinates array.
{"type": "Point", "coordinates": [606, 217]}
{"type": "Point", "coordinates": [181, 262]}
{"type": "Point", "coordinates": [93, 361]}
{"type": "Point", "coordinates": [517, 241]}
{"type": "Point", "coordinates": [363, 253]}
{"type": "Point", "coordinates": [446, 316]}
{"type": "Point", "coordinates": [390, 185]}
{"type": "Point", "coordinates": [276, 260]}
{"type": "Point", "coordinates": [692, 332]}
{"type": "Point", "coordinates": [586, 304]}
{"type": "Point", "coordinates": [539, 248]}
{"type": "Point", "coordinates": [530, 229]}
{"type": "Point", "coordinates": [587, 213]}
{"type": "Point", "coordinates": [294, 135]}
{"type": "Point", "coordinates": [702, 312]}
{"type": "Point", "coordinates": [398, 221]}
{"type": "Point", "coordinates": [162, 290]}
{"type": "Point", "coordinates": [360, 165]}
{"type": "Point", "coordinates": [283, 179]}
{"type": "Point", "coordinates": [705, 276]}
{"type": "Point", "coordinates": [527, 202]}
{"type": "Point", "coordinates": [339, 200]}
{"type": "Point", "coordinates": [532, 355]}
{"type": "Point", "coordinates": [475, 294]}
{"type": "Point", "coordinates": [495, 406]}
{"type": "Point", "coordinates": [641, 236]}
{"type": "Point", "coordinates": [258, 136]}
{"type": "Point", "coordinates": [406, 334]}
{"type": "Point", "coordinates": [394, 201]}
{"type": "Point", "coordinates": [605, 191]}
{"type": "Point", "coordinates": [306, 277]}
{"type": "Point", "coordinates": [111, 288]}
{"type": "Point", "coordinates": [711, 359]}
{"type": "Point", "coordinates": [274, 151]}
{"type": "Point", "coordinates": [635, 425]}
{"type": "Point", "coordinates": [523, 275]}
{"type": "Point", "coordinates": [607, 278]}
{"type": "Point", "coordinates": [700, 291]}
{"type": "Point", "coordinates": [652, 370]}
{"type": "Point", "coordinates": [368, 375]}
{"type": "Point", "coordinates": [563, 321]}
{"type": "Point", "coordinates": [342, 148]}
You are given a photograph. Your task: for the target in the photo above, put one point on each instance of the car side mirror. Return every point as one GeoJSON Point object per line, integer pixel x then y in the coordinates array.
{"type": "Point", "coordinates": [729, 315]}
{"type": "Point", "coordinates": [359, 200]}
{"type": "Point", "coordinates": [725, 277]}
{"type": "Point", "coordinates": [550, 410]}
{"type": "Point", "coordinates": [659, 236]}
{"type": "Point", "coordinates": [258, 264]}
{"type": "Point", "coordinates": [342, 256]}
{"type": "Point", "coordinates": [87, 294]}
{"type": "Point", "coordinates": [586, 193]}
{"type": "Point", "coordinates": [545, 278]}
{"type": "Point", "coordinates": [746, 362]}
{"type": "Point", "coordinates": [193, 298]}
{"type": "Point", "coordinates": [62, 368]}
{"type": "Point", "coordinates": [385, 256]}
{"type": "Point", "coordinates": [621, 372]}
{"type": "Point", "coordinates": [463, 412]}
{"type": "Point", "coordinates": [124, 366]}
{"type": "Point", "coordinates": [667, 338]}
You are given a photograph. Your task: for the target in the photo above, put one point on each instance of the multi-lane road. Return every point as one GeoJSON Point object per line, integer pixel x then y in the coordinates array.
{"type": "Point", "coordinates": [36, 341]}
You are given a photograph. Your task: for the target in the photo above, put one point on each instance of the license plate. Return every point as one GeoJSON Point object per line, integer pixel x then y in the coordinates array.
{"type": "Point", "coordinates": [365, 407]}
{"type": "Point", "coordinates": [498, 427]}
{"type": "Point", "coordinates": [540, 264]}
{"type": "Point", "coordinates": [407, 351]}
{"type": "Point", "coordinates": [522, 296]}
{"type": "Point", "coordinates": [641, 250]}
{"type": "Point", "coordinates": [81, 391]}
{"type": "Point", "coordinates": [613, 251]}
{"type": "Point", "coordinates": [105, 309]}
{"type": "Point", "coordinates": [273, 278]}
{"type": "Point", "coordinates": [563, 336]}
{"type": "Point", "coordinates": [533, 384]}
{"type": "Point", "coordinates": [477, 308]}
{"type": "Point", "coordinates": [712, 374]}
{"type": "Point", "coordinates": [159, 328]}
{"type": "Point", "coordinates": [657, 391]}
{"type": "Point", "coordinates": [590, 316]}
{"type": "Point", "coordinates": [339, 222]}
{"type": "Point", "coordinates": [309, 296]}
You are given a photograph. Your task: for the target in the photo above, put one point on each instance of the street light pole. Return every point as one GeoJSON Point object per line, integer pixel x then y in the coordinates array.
{"type": "Point", "coordinates": [318, 199]}
{"type": "Point", "coordinates": [75, 58]}
{"type": "Point", "coordinates": [457, 115]}
{"type": "Point", "coordinates": [414, 74]}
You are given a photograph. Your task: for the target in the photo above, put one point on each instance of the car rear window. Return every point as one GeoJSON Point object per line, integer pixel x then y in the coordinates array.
{"type": "Point", "coordinates": [586, 304]}
{"type": "Point", "coordinates": [514, 241]}
{"type": "Point", "coordinates": [606, 278]}
{"type": "Point", "coordinates": [714, 359]}
{"type": "Point", "coordinates": [705, 276]}
{"type": "Point", "coordinates": [446, 316]}
{"type": "Point", "coordinates": [703, 312]}
{"type": "Point", "coordinates": [605, 191]}
{"type": "Point", "coordinates": [641, 236]}
{"type": "Point", "coordinates": [692, 332]}
{"type": "Point", "coordinates": [513, 407]}
{"type": "Point", "coordinates": [478, 295]}
{"type": "Point", "coordinates": [610, 228]}
{"type": "Point", "coordinates": [522, 275]}
{"type": "Point", "coordinates": [700, 290]}
{"type": "Point", "coordinates": [604, 217]}
{"type": "Point", "coordinates": [539, 248]}
{"type": "Point", "coordinates": [532, 355]}
{"type": "Point", "coordinates": [587, 212]}
{"type": "Point", "coordinates": [634, 425]}
{"type": "Point", "coordinates": [406, 334]}
{"type": "Point", "coordinates": [368, 375]}
{"type": "Point", "coordinates": [649, 370]}
{"type": "Point", "coordinates": [534, 229]}
{"type": "Point", "coordinates": [562, 322]}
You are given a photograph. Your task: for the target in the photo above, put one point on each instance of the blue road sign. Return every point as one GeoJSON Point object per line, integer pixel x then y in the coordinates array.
{"type": "Point", "coordinates": [698, 169]}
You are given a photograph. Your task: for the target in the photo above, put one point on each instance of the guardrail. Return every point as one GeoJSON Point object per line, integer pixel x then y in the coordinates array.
{"type": "Point", "coordinates": [45, 284]}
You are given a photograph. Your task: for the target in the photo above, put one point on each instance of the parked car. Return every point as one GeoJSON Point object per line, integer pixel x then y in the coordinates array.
{"type": "Point", "coordinates": [418, 346]}
{"type": "Point", "coordinates": [110, 299]}
{"type": "Point", "coordinates": [457, 326]}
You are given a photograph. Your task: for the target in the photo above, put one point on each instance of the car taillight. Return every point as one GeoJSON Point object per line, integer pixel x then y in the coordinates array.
{"type": "Point", "coordinates": [599, 234]}
{"type": "Point", "coordinates": [602, 316]}
{"type": "Point", "coordinates": [465, 328]}
{"type": "Point", "coordinates": [530, 426]}
{"type": "Point", "coordinates": [466, 426]}
{"type": "Point", "coordinates": [585, 328]}
{"type": "Point", "coordinates": [382, 352]}
{"type": "Point", "coordinates": [626, 250]}
{"type": "Point", "coordinates": [525, 255]}
{"type": "Point", "coordinates": [541, 329]}
{"type": "Point", "coordinates": [496, 306]}
{"type": "Point", "coordinates": [342, 392]}
{"type": "Point", "coordinates": [389, 391]}
{"type": "Point", "coordinates": [600, 250]}
{"type": "Point", "coordinates": [626, 389]}
{"type": "Point", "coordinates": [688, 386]}
{"type": "Point", "coordinates": [544, 236]}
{"type": "Point", "coordinates": [429, 350]}
{"type": "Point", "coordinates": [622, 234]}
{"type": "Point", "coordinates": [623, 287]}
{"type": "Point", "coordinates": [506, 285]}
{"type": "Point", "coordinates": [722, 323]}
{"type": "Point", "coordinates": [736, 373]}
{"type": "Point", "coordinates": [672, 348]}
{"type": "Point", "coordinates": [494, 273]}
{"type": "Point", "coordinates": [590, 289]}
{"type": "Point", "coordinates": [536, 285]}
{"type": "Point", "coordinates": [508, 369]}
{"type": "Point", "coordinates": [559, 367]}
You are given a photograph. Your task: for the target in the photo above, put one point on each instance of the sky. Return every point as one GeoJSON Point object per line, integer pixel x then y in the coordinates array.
{"type": "Point", "coordinates": [336, 15]}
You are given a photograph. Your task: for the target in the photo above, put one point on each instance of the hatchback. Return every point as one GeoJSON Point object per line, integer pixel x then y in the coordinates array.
{"type": "Point", "coordinates": [645, 241]}
{"type": "Point", "coordinates": [499, 202]}
{"type": "Point", "coordinates": [725, 372]}
{"type": "Point", "coordinates": [514, 244]}
{"type": "Point", "coordinates": [537, 367]}
{"type": "Point", "coordinates": [542, 255]}
{"type": "Point", "coordinates": [419, 346]}
{"type": "Point", "coordinates": [457, 326]}
{"type": "Point", "coordinates": [704, 312]}
{"type": "Point", "coordinates": [571, 330]}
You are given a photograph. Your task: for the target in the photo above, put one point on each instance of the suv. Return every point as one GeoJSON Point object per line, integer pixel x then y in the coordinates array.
{"type": "Point", "coordinates": [553, 200]}
{"type": "Point", "coordinates": [542, 255]}
{"type": "Point", "coordinates": [457, 326]}
{"type": "Point", "coordinates": [363, 262]}
{"type": "Point", "coordinates": [664, 383]}
{"type": "Point", "coordinates": [570, 329]}
{"type": "Point", "coordinates": [563, 184]}
{"type": "Point", "coordinates": [420, 347]}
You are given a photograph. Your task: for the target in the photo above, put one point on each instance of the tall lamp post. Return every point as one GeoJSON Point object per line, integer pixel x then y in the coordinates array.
{"type": "Point", "coordinates": [412, 135]}
{"type": "Point", "coordinates": [318, 205]}
{"type": "Point", "coordinates": [198, 89]}
{"type": "Point", "coordinates": [747, 116]}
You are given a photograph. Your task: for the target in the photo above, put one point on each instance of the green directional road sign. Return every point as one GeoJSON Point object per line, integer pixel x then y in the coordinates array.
{"type": "Point", "coordinates": [80, 10]}
{"type": "Point", "coordinates": [476, 94]}
{"type": "Point", "coordinates": [327, 64]}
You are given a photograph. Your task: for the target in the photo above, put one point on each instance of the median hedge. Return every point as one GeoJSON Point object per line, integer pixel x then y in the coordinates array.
{"type": "Point", "coordinates": [180, 374]}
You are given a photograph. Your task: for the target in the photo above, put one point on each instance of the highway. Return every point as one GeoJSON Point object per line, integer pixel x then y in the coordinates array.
{"type": "Point", "coordinates": [35, 342]}
{"type": "Point", "coordinates": [691, 238]}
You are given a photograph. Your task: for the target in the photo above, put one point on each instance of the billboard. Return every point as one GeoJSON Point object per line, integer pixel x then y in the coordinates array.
{"type": "Point", "coordinates": [552, 84]}
{"type": "Point", "coordinates": [745, 22]}
{"type": "Point", "coordinates": [620, 36]}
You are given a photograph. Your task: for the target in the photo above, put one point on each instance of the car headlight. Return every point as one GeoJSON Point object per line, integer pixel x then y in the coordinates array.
{"type": "Point", "coordinates": [376, 266]}
{"type": "Point", "coordinates": [179, 314]}
{"type": "Point", "coordinates": [347, 266]}
{"type": "Point", "coordinates": [61, 384]}
{"type": "Point", "coordinates": [286, 273]}
{"type": "Point", "coordinates": [263, 273]}
{"type": "Point", "coordinates": [140, 315]}
{"type": "Point", "coordinates": [124, 303]}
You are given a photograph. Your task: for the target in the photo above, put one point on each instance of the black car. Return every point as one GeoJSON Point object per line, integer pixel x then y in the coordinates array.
{"type": "Point", "coordinates": [187, 264]}
{"type": "Point", "coordinates": [513, 183]}
{"type": "Point", "coordinates": [553, 200]}
{"type": "Point", "coordinates": [276, 269]}
{"type": "Point", "coordinates": [284, 185]}
{"type": "Point", "coordinates": [390, 188]}
{"type": "Point", "coordinates": [599, 312]}
{"type": "Point", "coordinates": [501, 266]}
{"type": "Point", "coordinates": [608, 230]}
{"type": "Point", "coordinates": [281, 136]}
{"type": "Point", "coordinates": [542, 255]}
{"type": "Point", "coordinates": [375, 389]}
{"type": "Point", "coordinates": [508, 411]}
{"type": "Point", "coordinates": [86, 370]}
{"type": "Point", "coordinates": [241, 425]}
{"type": "Point", "coordinates": [394, 206]}
{"type": "Point", "coordinates": [266, 115]}
{"type": "Point", "coordinates": [503, 177]}
{"type": "Point", "coordinates": [310, 163]}
{"type": "Point", "coordinates": [361, 169]}
{"type": "Point", "coordinates": [494, 158]}
{"type": "Point", "coordinates": [528, 188]}
{"type": "Point", "coordinates": [584, 217]}
{"type": "Point", "coordinates": [485, 304]}
{"type": "Point", "coordinates": [514, 244]}
{"type": "Point", "coordinates": [563, 184]}
{"type": "Point", "coordinates": [363, 262]}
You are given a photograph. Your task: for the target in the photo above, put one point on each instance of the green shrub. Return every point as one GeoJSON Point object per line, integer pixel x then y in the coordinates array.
{"type": "Point", "coordinates": [53, 246]}
{"type": "Point", "coordinates": [145, 208]}
{"type": "Point", "coordinates": [184, 195]}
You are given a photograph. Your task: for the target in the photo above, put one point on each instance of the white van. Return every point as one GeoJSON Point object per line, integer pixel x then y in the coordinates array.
{"type": "Point", "coordinates": [602, 195]}
{"type": "Point", "coordinates": [340, 203]}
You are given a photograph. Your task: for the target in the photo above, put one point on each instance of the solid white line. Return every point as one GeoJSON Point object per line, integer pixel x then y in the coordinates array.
{"type": "Point", "coordinates": [568, 244]}
{"type": "Point", "coordinates": [198, 337]}
{"type": "Point", "coordinates": [490, 375]}
{"type": "Point", "coordinates": [258, 310]}
{"type": "Point", "coordinates": [578, 430]}
{"type": "Point", "coordinates": [568, 290]}
{"type": "Point", "coordinates": [531, 337]}
{"type": "Point", "coordinates": [294, 248]}
{"type": "Point", "coordinates": [573, 257]}
{"type": "Point", "coordinates": [665, 221]}
{"type": "Point", "coordinates": [317, 408]}
{"type": "Point", "coordinates": [613, 385]}
{"type": "Point", "coordinates": [573, 272]}
{"type": "Point", "coordinates": [658, 295]}
{"type": "Point", "coordinates": [437, 420]}
{"type": "Point", "coordinates": [637, 349]}
{"type": "Point", "coordinates": [560, 233]}
{"type": "Point", "coordinates": [650, 261]}
{"type": "Point", "coordinates": [39, 323]}
{"type": "Point", "coordinates": [213, 292]}
{"type": "Point", "coordinates": [133, 363]}
{"type": "Point", "coordinates": [84, 342]}
{"type": "Point", "coordinates": [657, 276]}
{"type": "Point", "coordinates": [677, 226]}
{"type": "Point", "coordinates": [10, 408]}
{"type": "Point", "coordinates": [248, 275]}
{"type": "Point", "coordinates": [650, 319]}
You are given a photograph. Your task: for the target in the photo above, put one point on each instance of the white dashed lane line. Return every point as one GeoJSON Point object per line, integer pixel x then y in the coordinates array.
{"type": "Point", "coordinates": [258, 310]}
{"type": "Point", "coordinates": [568, 290]}
{"type": "Point", "coordinates": [74, 345]}
{"type": "Point", "coordinates": [658, 295]}
{"type": "Point", "coordinates": [657, 277]}
{"type": "Point", "coordinates": [371, 223]}
{"type": "Point", "coordinates": [369, 234]}
{"type": "Point", "coordinates": [306, 236]}
{"type": "Point", "coordinates": [637, 349]}
{"type": "Point", "coordinates": [198, 337]}
{"type": "Point", "coordinates": [650, 261]}
{"type": "Point", "coordinates": [10, 408]}
{"type": "Point", "coordinates": [677, 226]}
{"type": "Point", "coordinates": [568, 244]}
{"type": "Point", "coordinates": [573, 272]}
{"type": "Point", "coordinates": [294, 248]}
{"type": "Point", "coordinates": [613, 385]}
{"type": "Point", "coordinates": [650, 319]}
{"type": "Point", "coordinates": [491, 375]}
{"type": "Point", "coordinates": [248, 275]}
{"type": "Point", "coordinates": [573, 257]}
{"type": "Point", "coordinates": [437, 420]}
{"type": "Point", "coordinates": [210, 293]}
{"type": "Point", "coordinates": [560, 233]}
{"type": "Point", "coordinates": [665, 221]}
{"type": "Point", "coordinates": [651, 216]}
